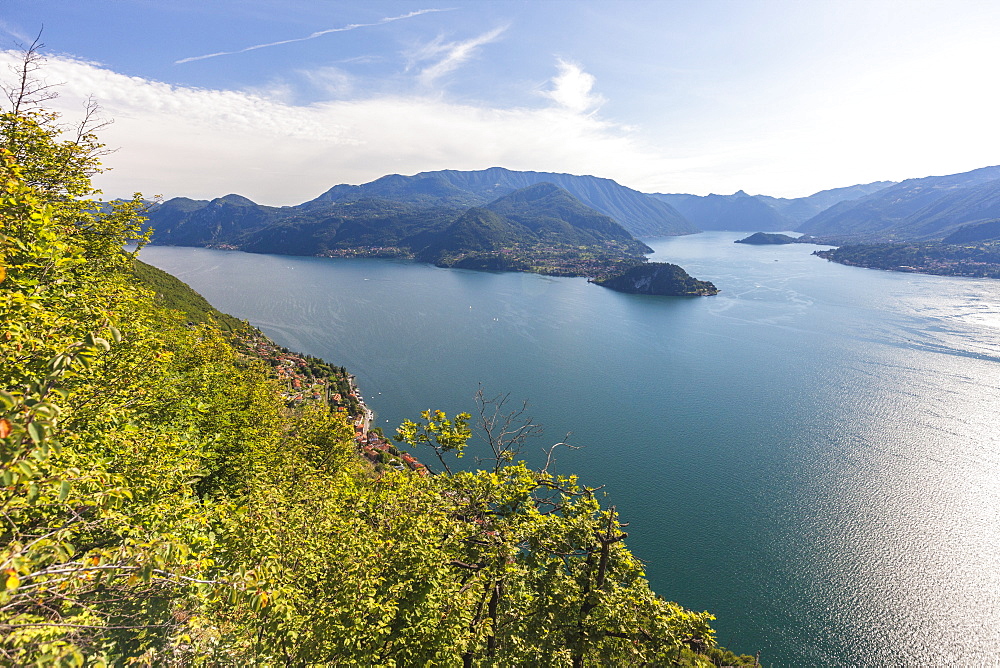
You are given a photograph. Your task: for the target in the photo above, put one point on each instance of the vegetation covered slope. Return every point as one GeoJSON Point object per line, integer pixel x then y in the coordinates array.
{"type": "Point", "coordinates": [659, 278]}
{"type": "Point", "coordinates": [642, 215]}
{"type": "Point", "coordinates": [939, 225]}
{"type": "Point", "coordinates": [163, 505]}
{"type": "Point", "coordinates": [801, 209]}
{"type": "Point", "coordinates": [765, 239]}
{"type": "Point", "coordinates": [540, 228]}
{"type": "Point", "coordinates": [176, 295]}
{"type": "Point", "coordinates": [976, 260]}
{"type": "Point", "coordinates": [913, 210]}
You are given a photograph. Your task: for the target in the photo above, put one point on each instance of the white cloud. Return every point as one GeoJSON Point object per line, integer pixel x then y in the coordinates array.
{"type": "Point", "coordinates": [452, 54]}
{"type": "Point", "coordinates": [572, 88]}
{"type": "Point", "coordinates": [206, 143]}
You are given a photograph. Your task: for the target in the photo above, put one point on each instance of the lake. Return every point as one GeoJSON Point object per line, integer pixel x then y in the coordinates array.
{"type": "Point", "coordinates": [812, 455]}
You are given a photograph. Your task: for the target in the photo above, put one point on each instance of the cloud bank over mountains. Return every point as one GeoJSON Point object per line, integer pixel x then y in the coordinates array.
{"type": "Point", "coordinates": [175, 140]}
{"type": "Point", "coordinates": [280, 100]}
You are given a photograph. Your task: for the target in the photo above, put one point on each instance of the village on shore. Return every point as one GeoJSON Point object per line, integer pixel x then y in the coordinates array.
{"type": "Point", "coordinates": [309, 379]}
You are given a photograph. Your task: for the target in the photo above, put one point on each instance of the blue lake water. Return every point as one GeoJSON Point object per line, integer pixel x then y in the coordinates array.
{"type": "Point", "coordinates": [813, 455]}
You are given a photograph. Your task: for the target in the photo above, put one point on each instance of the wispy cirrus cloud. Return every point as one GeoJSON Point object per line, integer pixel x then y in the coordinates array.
{"type": "Point", "coordinates": [15, 32]}
{"type": "Point", "coordinates": [449, 56]}
{"type": "Point", "coordinates": [319, 33]}
{"type": "Point", "coordinates": [333, 81]}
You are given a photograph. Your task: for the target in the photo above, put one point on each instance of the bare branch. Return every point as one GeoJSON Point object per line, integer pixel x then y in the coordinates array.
{"type": "Point", "coordinates": [505, 432]}
{"type": "Point", "coordinates": [29, 92]}
{"type": "Point", "coordinates": [551, 449]}
{"type": "Point", "coordinates": [92, 123]}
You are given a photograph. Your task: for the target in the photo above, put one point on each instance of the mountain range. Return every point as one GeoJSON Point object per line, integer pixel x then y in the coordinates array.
{"type": "Point", "coordinates": [640, 214]}
{"type": "Point", "coordinates": [500, 218]}
{"type": "Point", "coordinates": [395, 210]}
{"type": "Point", "coordinates": [539, 227]}
{"type": "Point", "coordinates": [957, 208]}
{"type": "Point", "coordinates": [744, 212]}
{"type": "Point", "coordinates": [924, 209]}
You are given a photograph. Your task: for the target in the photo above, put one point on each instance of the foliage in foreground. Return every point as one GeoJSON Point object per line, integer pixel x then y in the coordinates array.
{"type": "Point", "coordinates": [161, 505]}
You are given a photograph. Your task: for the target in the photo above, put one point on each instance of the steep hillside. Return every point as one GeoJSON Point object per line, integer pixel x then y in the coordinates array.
{"type": "Point", "coordinates": [187, 222]}
{"type": "Point", "coordinates": [370, 226]}
{"type": "Point", "coordinates": [553, 213]}
{"type": "Point", "coordinates": [176, 295]}
{"type": "Point", "coordinates": [987, 231]}
{"type": "Point", "coordinates": [968, 205]}
{"type": "Point", "coordinates": [912, 209]}
{"type": "Point", "coordinates": [540, 228]}
{"type": "Point", "coordinates": [423, 190]}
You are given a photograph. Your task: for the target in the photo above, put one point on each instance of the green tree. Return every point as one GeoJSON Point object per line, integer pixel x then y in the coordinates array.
{"type": "Point", "coordinates": [554, 584]}
{"type": "Point", "coordinates": [101, 544]}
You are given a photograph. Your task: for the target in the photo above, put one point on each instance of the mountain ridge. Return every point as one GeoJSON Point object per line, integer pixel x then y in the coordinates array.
{"type": "Point", "coordinates": [641, 214]}
{"type": "Point", "coordinates": [743, 212]}
{"type": "Point", "coordinates": [925, 208]}
{"type": "Point", "coordinates": [540, 227]}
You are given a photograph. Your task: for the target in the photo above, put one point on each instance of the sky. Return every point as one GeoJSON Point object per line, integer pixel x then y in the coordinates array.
{"type": "Point", "coordinates": [279, 100]}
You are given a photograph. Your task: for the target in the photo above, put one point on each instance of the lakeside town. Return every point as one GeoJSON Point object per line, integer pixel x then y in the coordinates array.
{"type": "Point", "coordinates": [310, 379]}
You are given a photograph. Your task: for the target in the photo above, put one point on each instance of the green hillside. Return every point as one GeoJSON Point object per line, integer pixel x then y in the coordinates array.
{"type": "Point", "coordinates": [176, 295]}
{"type": "Point", "coordinates": [642, 215]}
{"type": "Point", "coordinates": [540, 228]}
{"type": "Point", "coordinates": [923, 209]}
{"type": "Point", "coordinates": [976, 260]}
{"type": "Point", "coordinates": [659, 278]}
{"type": "Point", "coordinates": [165, 502]}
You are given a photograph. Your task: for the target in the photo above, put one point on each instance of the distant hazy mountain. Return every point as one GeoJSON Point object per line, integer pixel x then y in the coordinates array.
{"type": "Point", "coordinates": [728, 212]}
{"type": "Point", "coordinates": [915, 209]}
{"type": "Point", "coordinates": [187, 222]}
{"type": "Point", "coordinates": [744, 212]}
{"type": "Point", "coordinates": [642, 215]}
{"type": "Point", "coordinates": [801, 209]}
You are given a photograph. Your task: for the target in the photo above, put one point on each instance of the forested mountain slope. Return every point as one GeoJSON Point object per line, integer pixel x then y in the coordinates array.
{"type": "Point", "coordinates": [402, 215]}
{"type": "Point", "coordinates": [915, 209]}
{"type": "Point", "coordinates": [642, 215]}
{"type": "Point", "coordinates": [540, 228]}
{"type": "Point", "coordinates": [800, 209]}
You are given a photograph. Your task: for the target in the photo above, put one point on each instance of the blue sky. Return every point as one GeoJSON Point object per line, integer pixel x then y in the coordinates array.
{"type": "Point", "coordinates": [281, 100]}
